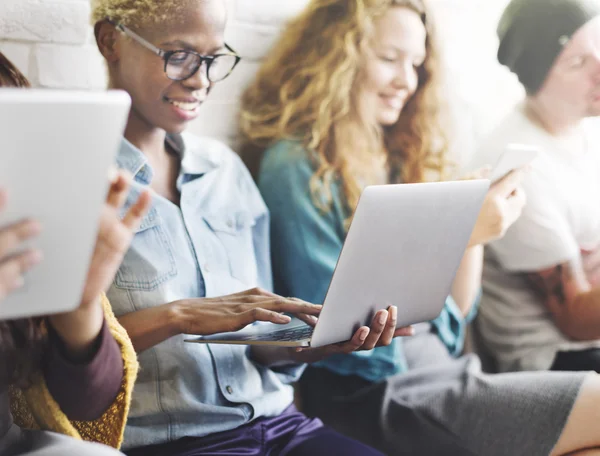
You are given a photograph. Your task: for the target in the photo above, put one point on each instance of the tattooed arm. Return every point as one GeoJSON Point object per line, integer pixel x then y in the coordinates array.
{"type": "Point", "coordinates": [567, 290]}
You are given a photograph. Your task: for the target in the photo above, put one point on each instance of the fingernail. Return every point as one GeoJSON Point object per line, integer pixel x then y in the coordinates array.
{"type": "Point", "coordinates": [34, 258]}
{"type": "Point", "coordinates": [284, 318]}
{"type": "Point", "coordinates": [363, 334]}
{"type": "Point", "coordinates": [383, 318]}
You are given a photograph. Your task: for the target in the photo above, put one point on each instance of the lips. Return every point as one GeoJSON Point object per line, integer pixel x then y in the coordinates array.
{"type": "Point", "coordinates": [190, 104]}
{"type": "Point", "coordinates": [394, 102]}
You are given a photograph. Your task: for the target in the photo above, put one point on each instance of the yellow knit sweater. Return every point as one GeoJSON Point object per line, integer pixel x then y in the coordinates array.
{"type": "Point", "coordinates": [35, 408]}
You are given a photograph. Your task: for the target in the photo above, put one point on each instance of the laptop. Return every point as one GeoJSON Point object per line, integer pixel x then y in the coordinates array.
{"type": "Point", "coordinates": [403, 248]}
{"type": "Point", "coordinates": [56, 153]}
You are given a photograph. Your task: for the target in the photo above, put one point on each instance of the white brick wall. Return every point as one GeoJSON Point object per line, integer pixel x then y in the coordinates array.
{"type": "Point", "coordinates": [52, 43]}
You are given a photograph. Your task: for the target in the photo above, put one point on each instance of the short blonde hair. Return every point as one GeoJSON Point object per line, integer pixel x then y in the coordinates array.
{"type": "Point", "coordinates": [137, 13]}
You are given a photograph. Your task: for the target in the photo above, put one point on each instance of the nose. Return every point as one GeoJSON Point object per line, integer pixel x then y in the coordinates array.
{"type": "Point", "coordinates": [199, 80]}
{"type": "Point", "coordinates": [406, 76]}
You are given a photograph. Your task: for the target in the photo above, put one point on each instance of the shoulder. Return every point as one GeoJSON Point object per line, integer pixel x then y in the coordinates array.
{"type": "Point", "coordinates": [286, 166]}
{"type": "Point", "coordinates": [286, 156]}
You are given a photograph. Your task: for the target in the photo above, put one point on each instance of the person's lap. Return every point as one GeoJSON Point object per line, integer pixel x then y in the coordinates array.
{"type": "Point", "coordinates": [289, 434]}
{"type": "Point", "coordinates": [449, 407]}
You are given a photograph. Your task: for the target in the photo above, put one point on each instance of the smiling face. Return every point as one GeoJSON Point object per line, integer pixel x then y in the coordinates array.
{"type": "Point", "coordinates": [391, 67]}
{"type": "Point", "coordinates": [573, 84]}
{"type": "Point", "coordinates": [158, 101]}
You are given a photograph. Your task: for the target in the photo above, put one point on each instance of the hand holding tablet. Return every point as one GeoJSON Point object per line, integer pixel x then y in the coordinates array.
{"type": "Point", "coordinates": [516, 156]}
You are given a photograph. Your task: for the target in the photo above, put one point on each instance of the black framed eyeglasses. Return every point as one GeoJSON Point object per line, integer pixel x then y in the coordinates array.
{"type": "Point", "coordinates": [183, 64]}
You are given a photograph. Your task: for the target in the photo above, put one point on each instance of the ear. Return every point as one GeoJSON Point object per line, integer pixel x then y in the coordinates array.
{"type": "Point", "coordinates": [106, 39]}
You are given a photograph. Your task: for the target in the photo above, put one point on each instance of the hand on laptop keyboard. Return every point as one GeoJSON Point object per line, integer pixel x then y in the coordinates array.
{"type": "Point", "coordinates": [206, 316]}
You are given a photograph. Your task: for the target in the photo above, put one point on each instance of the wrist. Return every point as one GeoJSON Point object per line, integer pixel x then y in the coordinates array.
{"type": "Point", "coordinates": [475, 240]}
{"type": "Point", "coordinates": [78, 330]}
{"type": "Point", "coordinates": [175, 317]}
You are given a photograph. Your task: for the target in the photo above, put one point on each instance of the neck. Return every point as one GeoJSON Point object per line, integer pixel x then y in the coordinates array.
{"type": "Point", "coordinates": [150, 140]}
{"type": "Point", "coordinates": [557, 122]}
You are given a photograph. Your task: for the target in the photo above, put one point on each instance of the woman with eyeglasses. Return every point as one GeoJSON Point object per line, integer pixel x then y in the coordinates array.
{"type": "Point", "coordinates": [350, 96]}
{"type": "Point", "coordinates": [201, 253]}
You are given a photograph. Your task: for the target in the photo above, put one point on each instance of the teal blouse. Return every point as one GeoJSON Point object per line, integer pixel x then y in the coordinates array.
{"type": "Point", "coordinates": [305, 245]}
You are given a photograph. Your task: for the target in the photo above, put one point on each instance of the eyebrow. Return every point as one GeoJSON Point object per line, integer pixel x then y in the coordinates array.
{"type": "Point", "coordinates": [187, 46]}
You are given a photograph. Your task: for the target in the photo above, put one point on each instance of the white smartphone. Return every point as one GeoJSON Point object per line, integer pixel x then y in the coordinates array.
{"type": "Point", "coordinates": [514, 157]}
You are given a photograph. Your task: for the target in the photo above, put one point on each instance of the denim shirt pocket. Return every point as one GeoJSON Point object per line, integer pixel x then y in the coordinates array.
{"type": "Point", "coordinates": [234, 231]}
{"type": "Point", "coordinates": [149, 260]}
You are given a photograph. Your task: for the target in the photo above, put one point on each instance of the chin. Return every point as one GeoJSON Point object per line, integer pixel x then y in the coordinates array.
{"type": "Point", "coordinates": [388, 119]}
{"type": "Point", "coordinates": [172, 126]}
{"type": "Point", "coordinates": [176, 129]}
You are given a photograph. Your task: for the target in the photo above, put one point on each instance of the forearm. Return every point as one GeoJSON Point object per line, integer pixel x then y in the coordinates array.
{"type": "Point", "coordinates": [84, 390]}
{"type": "Point", "coordinates": [149, 327]}
{"type": "Point", "coordinates": [570, 298]}
{"type": "Point", "coordinates": [78, 330]}
{"type": "Point", "coordinates": [581, 318]}
{"type": "Point", "coordinates": [467, 281]}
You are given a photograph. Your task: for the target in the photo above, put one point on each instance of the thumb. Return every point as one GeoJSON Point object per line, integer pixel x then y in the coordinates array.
{"type": "Point", "coordinates": [508, 184]}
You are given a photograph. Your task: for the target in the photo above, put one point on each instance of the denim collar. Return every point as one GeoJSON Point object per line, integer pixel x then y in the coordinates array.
{"type": "Point", "coordinates": [196, 160]}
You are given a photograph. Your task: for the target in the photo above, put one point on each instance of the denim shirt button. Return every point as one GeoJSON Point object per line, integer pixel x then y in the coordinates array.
{"type": "Point", "coordinates": [229, 389]}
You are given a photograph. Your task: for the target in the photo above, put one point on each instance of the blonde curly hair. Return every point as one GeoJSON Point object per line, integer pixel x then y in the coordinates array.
{"type": "Point", "coordinates": [138, 13]}
{"type": "Point", "coordinates": [306, 91]}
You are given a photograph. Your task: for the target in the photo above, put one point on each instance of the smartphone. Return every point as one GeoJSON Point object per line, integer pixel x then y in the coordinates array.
{"type": "Point", "coordinates": [514, 157]}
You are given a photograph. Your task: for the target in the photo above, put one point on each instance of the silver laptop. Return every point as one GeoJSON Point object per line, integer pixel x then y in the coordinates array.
{"type": "Point", "coordinates": [403, 248]}
{"type": "Point", "coordinates": [57, 149]}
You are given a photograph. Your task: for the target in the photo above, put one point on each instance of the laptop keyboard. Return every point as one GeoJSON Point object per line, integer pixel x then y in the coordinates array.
{"type": "Point", "coordinates": [286, 335]}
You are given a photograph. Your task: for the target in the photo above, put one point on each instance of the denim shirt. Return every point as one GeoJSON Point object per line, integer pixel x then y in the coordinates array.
{"type": "Point", "coordinates": [306, 243]}
{"type": "Point", "coordinates": [215, 243]}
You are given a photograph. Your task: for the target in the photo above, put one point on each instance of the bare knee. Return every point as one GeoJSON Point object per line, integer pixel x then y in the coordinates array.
{"type": "Point", "coordinates": [581, 435]}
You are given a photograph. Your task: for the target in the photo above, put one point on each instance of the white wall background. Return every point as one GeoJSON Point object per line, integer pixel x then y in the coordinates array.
{"type": "Point", "coordinates": [52, 43]}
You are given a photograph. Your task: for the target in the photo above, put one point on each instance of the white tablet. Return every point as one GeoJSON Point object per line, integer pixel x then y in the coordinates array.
{"type": "Point", "coordinates": [57, 148]}
{"type": "Point", "coordinates": [514, 157]}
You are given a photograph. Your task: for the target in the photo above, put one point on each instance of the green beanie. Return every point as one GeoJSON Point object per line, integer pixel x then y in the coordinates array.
{"type": "Point", "coordinates": [533, 33]}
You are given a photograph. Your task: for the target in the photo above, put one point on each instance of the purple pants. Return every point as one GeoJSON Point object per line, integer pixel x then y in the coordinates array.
{"type": "Point", "coordinates": [289, 434]}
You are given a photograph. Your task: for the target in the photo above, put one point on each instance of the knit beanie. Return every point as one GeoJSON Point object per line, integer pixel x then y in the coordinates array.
{"type": "Point", "coordinates": [534, 32]}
